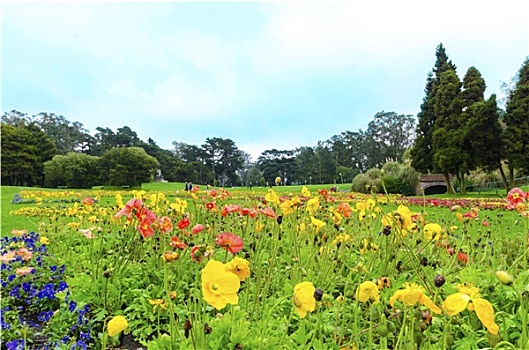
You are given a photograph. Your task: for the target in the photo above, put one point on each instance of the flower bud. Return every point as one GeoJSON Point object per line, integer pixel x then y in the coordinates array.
{"type": "Point", "coordinates": [439, 280]}
{"type": "Point", "coordinates": [318, 294]}
{"type": "Point", "coordinates": [504, 277]}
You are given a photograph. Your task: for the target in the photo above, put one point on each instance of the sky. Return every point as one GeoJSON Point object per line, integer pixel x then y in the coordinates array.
{"type": "Point", "coordinates": [267, 75]}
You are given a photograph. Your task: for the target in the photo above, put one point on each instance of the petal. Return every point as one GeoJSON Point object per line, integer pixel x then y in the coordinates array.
{"type": "Point", "coordinates": [455, 303]}
{"type": "Point", "coordinates": [485, 314]}
{"type": "Point", "coordinates": [426, 301]}
{"type": "Point", "coordinates": [395, 297]}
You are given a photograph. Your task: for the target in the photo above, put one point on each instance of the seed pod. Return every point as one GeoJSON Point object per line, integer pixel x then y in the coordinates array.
{"type": "Point", "coordinates": [318, 294]}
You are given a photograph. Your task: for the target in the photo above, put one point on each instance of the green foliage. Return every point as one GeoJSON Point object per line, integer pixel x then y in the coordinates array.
{"type": "Point", "coordinates": [130, 166]}
{"type": "Point", "coordinates": [74, 170]}
{"type": "Point", "coordinates": [517, 122]}
{"type": "Point", "coordinates": [24, 150]}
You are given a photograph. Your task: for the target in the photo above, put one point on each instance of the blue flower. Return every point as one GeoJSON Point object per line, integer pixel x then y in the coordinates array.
{"type": "Point", "coordinates": [15, 344]}
{"type": "Point", "coordinates": [72, 306]}
{"type": "Point", "coordinates": [80, 344]}
{"type": "Point", "coordinates": [62, 286]}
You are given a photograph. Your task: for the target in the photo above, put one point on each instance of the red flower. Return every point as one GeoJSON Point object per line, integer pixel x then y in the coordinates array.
{"type": "Point", "coordinates": [485, 223]}
{"type": "Point", "coordinates": [268, 212]}
{"type": "Point", "coordinates": [213, 193]}
{"type": "Point", "coordinates": [210, 205]}
{"type": "Point", "coordinates": [182, 224]}
{"type": "Point", "coordinates": [230, 241]}
{"type": "Point", "coordinates": [197, 228]}
{"type": "Point", "coordinates": [462, 257]}
{"type": "Point", "coordinates": [197, 253]}
{"type": "Point", "coordinates": [165, 224]}
{"type": "Point", "coordinates": [176, 243]}
{"type": "Point", "coordinates": [249, 212]}
{"type": "Point", "coordinates": [231, 208]}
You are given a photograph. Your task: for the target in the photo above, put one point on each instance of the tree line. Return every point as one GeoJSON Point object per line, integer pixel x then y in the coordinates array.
{"type": "Point", "coordinates": [458, 131]}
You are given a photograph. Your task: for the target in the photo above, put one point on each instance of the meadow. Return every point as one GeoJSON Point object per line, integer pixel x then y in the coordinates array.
{"type": "Point", "coordinates": [288, 267]}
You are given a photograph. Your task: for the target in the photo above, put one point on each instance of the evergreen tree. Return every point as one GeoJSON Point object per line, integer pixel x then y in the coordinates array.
{"type": "Point", "coordinates": [422, 153]}
{"type": "Point", "coordinates": [516, 119]}
{"type": "Point", "coordinates": [449, 134]}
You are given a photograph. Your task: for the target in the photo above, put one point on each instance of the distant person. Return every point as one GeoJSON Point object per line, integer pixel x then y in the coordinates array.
{"type": "Point", "coordinates": [187, 186]}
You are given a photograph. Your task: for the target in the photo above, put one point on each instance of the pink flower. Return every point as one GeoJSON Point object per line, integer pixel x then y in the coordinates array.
{"type": "Point", "coordinates": [87, 233]}
{"type": "Point", "coordinates": [7, 257]}
{"type": "Point", "coordinates": [134, 203]}
{"type": "Point", "coordinates": [197, 228]}
{"type": "Point", "coordinates": [230, 242]}
{"type": "Point", "coordinates": [18, 233]}
{"type": "Point", "coordinates": [268, 212]}
{"type": "Point", "coordinates": [514, 197]}
{"type": "Point", "coordinates": [25, 254]}
{"type": "Point", "coordinates": [22, 271]}
{"type": "Point", "coordinates": [485, 223]}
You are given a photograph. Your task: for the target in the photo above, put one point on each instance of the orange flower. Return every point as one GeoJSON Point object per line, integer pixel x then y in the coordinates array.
{"type": "Point", "coordinates": [230, 242]}
{"type": "Point", "coordinates": [344, 209]}
{"type": "Point", "coordinates": [165, 224]}
{"type": "Point", "coordinates": [133, 204]}
{"type": "Point", "coordinates": [176, 243]}
{"type": "Point", "coordinates": [88, 201]}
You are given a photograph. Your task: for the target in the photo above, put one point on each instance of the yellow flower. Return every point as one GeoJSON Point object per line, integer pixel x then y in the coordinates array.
{"type": "Point", "coordinates": [302, 227]}
{"type": "Point", "coordinates": [240, 267]}
{"type": "Point", "coordinates": [286, 207]}
{"type": "Point", "coordinates": [259, 226]}
{"type": "Point", "coordinates": [312, 205]}
{"type": "Point", "coordinates": [413, 294]}
{"type": "Point", "coordinates": [157, 303]}
{"type": "Point", "coordinates": [303, 298]}
{"type": "Point", "coordinates": [305, 191]}
{"type": "Point", "coordinates": [432, 231]}
{"type": "Point", "coordinates": [370, 204]}
{"type": "Point", "coordinates": [219, 287]}
{"type": "Point", "coordinates": [170, 256]}
{"type": "Point", "coordinates": [318, 223]}
{"type": "Point", "coordinates": [272, 196]}
{"type": "Point", "coordinates": [360, 206]}
{"type": "Point", "coordinates": [116, 325]}
{"type": "Point", "coordinates": [468, 297]}
{"type": "Point", "coordinates": [367, 291]}
{"type": "Point", "coordinates": [44, 240]}
{"type": "Point", "coordinates": [368, 246]}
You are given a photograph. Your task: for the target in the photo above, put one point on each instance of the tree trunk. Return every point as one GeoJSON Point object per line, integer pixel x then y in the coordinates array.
{"type": "Point", "coordinates": [449, 187]}
{"type": "Point", "coordinates": [504, 178]}
{"type": "Point", "coordinates": [511, 177]}
{"type": "Point", "coordinates": [461, 179]}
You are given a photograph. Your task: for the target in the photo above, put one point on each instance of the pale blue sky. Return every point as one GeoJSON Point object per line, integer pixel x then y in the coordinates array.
{"type": "Point", "coordinates": [265, 74]}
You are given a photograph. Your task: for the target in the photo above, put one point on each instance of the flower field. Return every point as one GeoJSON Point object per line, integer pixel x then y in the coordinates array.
{"type": "Point", "coordinates": [311, 269]}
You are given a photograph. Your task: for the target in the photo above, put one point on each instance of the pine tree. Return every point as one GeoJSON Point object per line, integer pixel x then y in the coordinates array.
{"type": "Point", "coordinates": [422, 153]}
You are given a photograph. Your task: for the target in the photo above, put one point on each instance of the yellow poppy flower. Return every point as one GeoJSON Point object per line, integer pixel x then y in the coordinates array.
{"type": "Point", "coordinates": [286, 207]}
{"type": "Point", "coordinates": [303, 298]}
{"type": "Point", "coordinates": [432, 231]}
{"type": "Point", "coordinates": [117, 325]}
{"type": "Point", "coordinates": [468, 298]}
{"type": "Point", "coordinates": [367, 291]}
{"type": "Point", "coordinates": [44, 240]}
{"type": "Point", "coordinates": [413, 294]}
{"type": "Point", "coordinates": [157, 303]}
{"type": "Point", "coordinates": [219, 287]}
{"type": "Point", "coordinates": [305, 191]}
{"type": "Point", "coordinates": [312, 205]}
{"type": "Point", "coordinates": [318, 223]}
{"type": "Point", "coordinates": [272, 197]}
{"type": "Point", "coordinates": [240, 267]}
